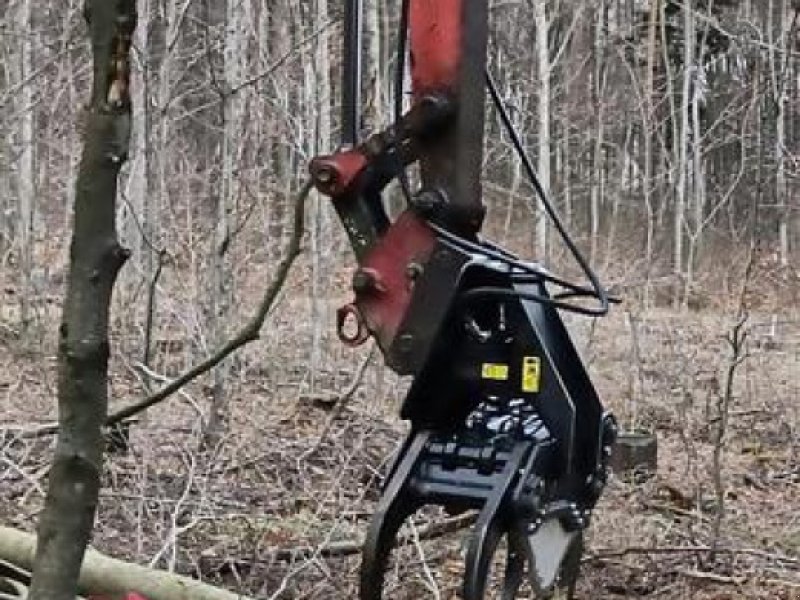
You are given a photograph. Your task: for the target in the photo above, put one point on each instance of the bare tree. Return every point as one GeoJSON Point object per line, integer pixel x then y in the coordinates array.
{"type": "Point", "coordinates": [95, 259]}
{"type": "Point", "coordinates": [26, 165]}
{"type": "Point", "coordinates": [544, 70]}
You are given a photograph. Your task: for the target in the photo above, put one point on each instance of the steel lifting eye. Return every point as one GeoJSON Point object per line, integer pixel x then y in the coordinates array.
{"type": "Point", "coordinates": [350, 325]}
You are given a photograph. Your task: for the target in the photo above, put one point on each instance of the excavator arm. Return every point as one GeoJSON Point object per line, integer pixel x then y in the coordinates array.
{"type": "Point", "coordinates": [505, 420]}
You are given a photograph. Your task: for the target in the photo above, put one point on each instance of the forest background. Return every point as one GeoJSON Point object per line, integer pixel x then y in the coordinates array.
{"type": "Point", "coordinates": [669, 136]}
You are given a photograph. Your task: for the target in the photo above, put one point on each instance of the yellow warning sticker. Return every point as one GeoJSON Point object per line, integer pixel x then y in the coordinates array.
{"type": "Point", "coordinates": [497, 372]}
{"type": "Point", "coordinates": [531, 374]}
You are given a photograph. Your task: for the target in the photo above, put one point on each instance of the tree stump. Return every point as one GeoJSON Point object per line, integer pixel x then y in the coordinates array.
{"type": "Point", "coordinates": [635, 452]}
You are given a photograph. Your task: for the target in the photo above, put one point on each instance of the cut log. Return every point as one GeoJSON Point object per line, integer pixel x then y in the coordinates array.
{"type": "Point", "coordinates": [106, 576]}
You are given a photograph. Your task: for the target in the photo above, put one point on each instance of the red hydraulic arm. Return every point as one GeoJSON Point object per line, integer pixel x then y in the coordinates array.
{"type": "Point", "coordinates": [443, 131]}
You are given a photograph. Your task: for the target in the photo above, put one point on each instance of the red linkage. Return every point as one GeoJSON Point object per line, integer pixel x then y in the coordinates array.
{"type": "Point", "coordinates": [334, 174]}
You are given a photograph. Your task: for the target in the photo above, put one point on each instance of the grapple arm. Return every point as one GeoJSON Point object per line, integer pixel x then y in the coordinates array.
{"type": "Point", "coordinates": [505, 420]}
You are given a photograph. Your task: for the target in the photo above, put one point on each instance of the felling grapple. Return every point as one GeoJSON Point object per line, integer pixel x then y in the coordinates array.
{"type": "Point", "coordinates": [504, 418]}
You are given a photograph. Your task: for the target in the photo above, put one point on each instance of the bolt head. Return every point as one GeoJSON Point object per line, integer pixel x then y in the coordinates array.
{"type": "Point", "coordinates": [414, 270]}
{"type": "Point", "coordinates": [405, 342]}
{"type": "Point", "coordinates": [325, 175]}
{"type": "Point", "coordinates": [363, 281]}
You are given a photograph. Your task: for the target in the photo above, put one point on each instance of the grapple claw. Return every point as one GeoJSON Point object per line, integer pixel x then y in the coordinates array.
{"type": "Point", "coordinates": [492, 524]}
{"type": "Point", "coordinates": [396, 504]}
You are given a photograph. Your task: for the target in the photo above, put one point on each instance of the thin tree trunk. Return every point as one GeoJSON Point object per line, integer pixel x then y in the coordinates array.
{"type": "Point", "coordinates": [598, 174]}
{"type": "Point", "coordinates": [222, 275]}
{"type": "Point", "coordinates": [375, 105]}
{"type": "Point", "coordinates": [26, 174]}
{"type": "Point", "coordinates": [648, 132]}
{"type": "Point", "coordinates": [138, 228]}
{"type": "Point", "coordinates": [95, 259]}
{"type": "Point", "coordinates": [671, 118]}
{"type": "Point", "coordinates": [543, 130]}
{"type": "Point", "coordinates": [682, 157]}
{"type": "Point", "coordinates": [321, 225]}
{"type": "Point", "coordinates": [779, 24]}
{"type": "Point", "coordinates": [698, 188]}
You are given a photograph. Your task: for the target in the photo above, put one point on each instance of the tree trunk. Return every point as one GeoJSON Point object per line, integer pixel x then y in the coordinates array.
{"type": "Point", "coordinates": [597, 193]}
{"type": "Point", "coordinates": [648, 132]}
{"type": "Point", "coordinates": [321, 228]}
{"type": "Point", "coordinates": [137, 230]}
{"type": "Point", "coordinates": [26, 174]}
{"type": "Point", "coordinates": [778, 27]}
{"type": "Point", "coordinates": [543, 131]}
{"type": "Point", "coordinates": [374, 110]}
{"type": "Point", "coordinates": [95, 259]}
{"type": "Point", "coordinates": [221, 293]}
{"type": "Point", "coordinates": [682, 157]}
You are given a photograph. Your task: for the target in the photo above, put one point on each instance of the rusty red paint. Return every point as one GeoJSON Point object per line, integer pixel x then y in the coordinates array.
{"type": "Point", "coordinates": [435, 29]}
{"type": "Point", "coordinates": [407, 243]}
{"type": "Point", "coordinates": [333, 175]}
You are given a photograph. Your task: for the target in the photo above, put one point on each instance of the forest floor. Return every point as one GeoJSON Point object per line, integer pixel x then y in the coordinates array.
{"type": "Point", "coordinates": [278, 506]}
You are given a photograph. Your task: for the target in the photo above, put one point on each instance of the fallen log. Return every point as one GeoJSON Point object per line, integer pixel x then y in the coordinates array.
{"type": "Point", "coordinates": [106, 576]}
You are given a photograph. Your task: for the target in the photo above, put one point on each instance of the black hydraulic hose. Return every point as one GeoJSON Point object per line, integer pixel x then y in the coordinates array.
{"type": "Point", "coordinates": [599, 292]}
{"type": "Point", "coordinates": [502, 292]}
{"type": "Point", "coordinates": [351, 77]}
{"type": "Point", "coordinates": [524, 271]}
{"type": "Point", "coordinates": [399, 76]}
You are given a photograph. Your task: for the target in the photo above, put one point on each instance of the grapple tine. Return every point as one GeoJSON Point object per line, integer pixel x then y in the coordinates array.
{"type": "Point", "coordinates": [396, 504]}
{"type": "Point", "coordinates": [492, 523]}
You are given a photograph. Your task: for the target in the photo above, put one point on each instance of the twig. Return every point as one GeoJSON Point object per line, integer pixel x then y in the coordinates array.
{"type": "Point", "coordinates": [282, 59]}
{"type": "Point", "coordinates": [171, 542]}
{"type": "Point", "coordinates": [664, 507]}
{"type": "Point", "coordinates": [604, 553]}
{"type": "Point", "coordinates": [341, 403]}
{"type": "Point", "coordinates": [744, 413]}
{"type": "Point", "coordinates": [712, 577]}
{"type": "Point", "coordinates": [430, 581]}
{"type": "Point", "coordinates": [145, 371]}
{"type": "Point", "coordinates": [350, 547]}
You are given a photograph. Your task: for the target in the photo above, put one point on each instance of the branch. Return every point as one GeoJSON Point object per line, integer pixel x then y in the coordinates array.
{"type": "Point", "coordinates": [249, 333]}
{"type": "Point", "coordinates": [605, 553]}
{"type": "Point", "coordinates": [246, 334]}
{"type": "Point", "coordinates": [350, 547]}
{"type": "Point", "coordinates": [282, 59]}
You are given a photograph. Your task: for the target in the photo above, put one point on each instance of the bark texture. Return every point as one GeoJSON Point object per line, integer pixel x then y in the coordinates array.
{"type": "Point", "coordinates": [95, 259]}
